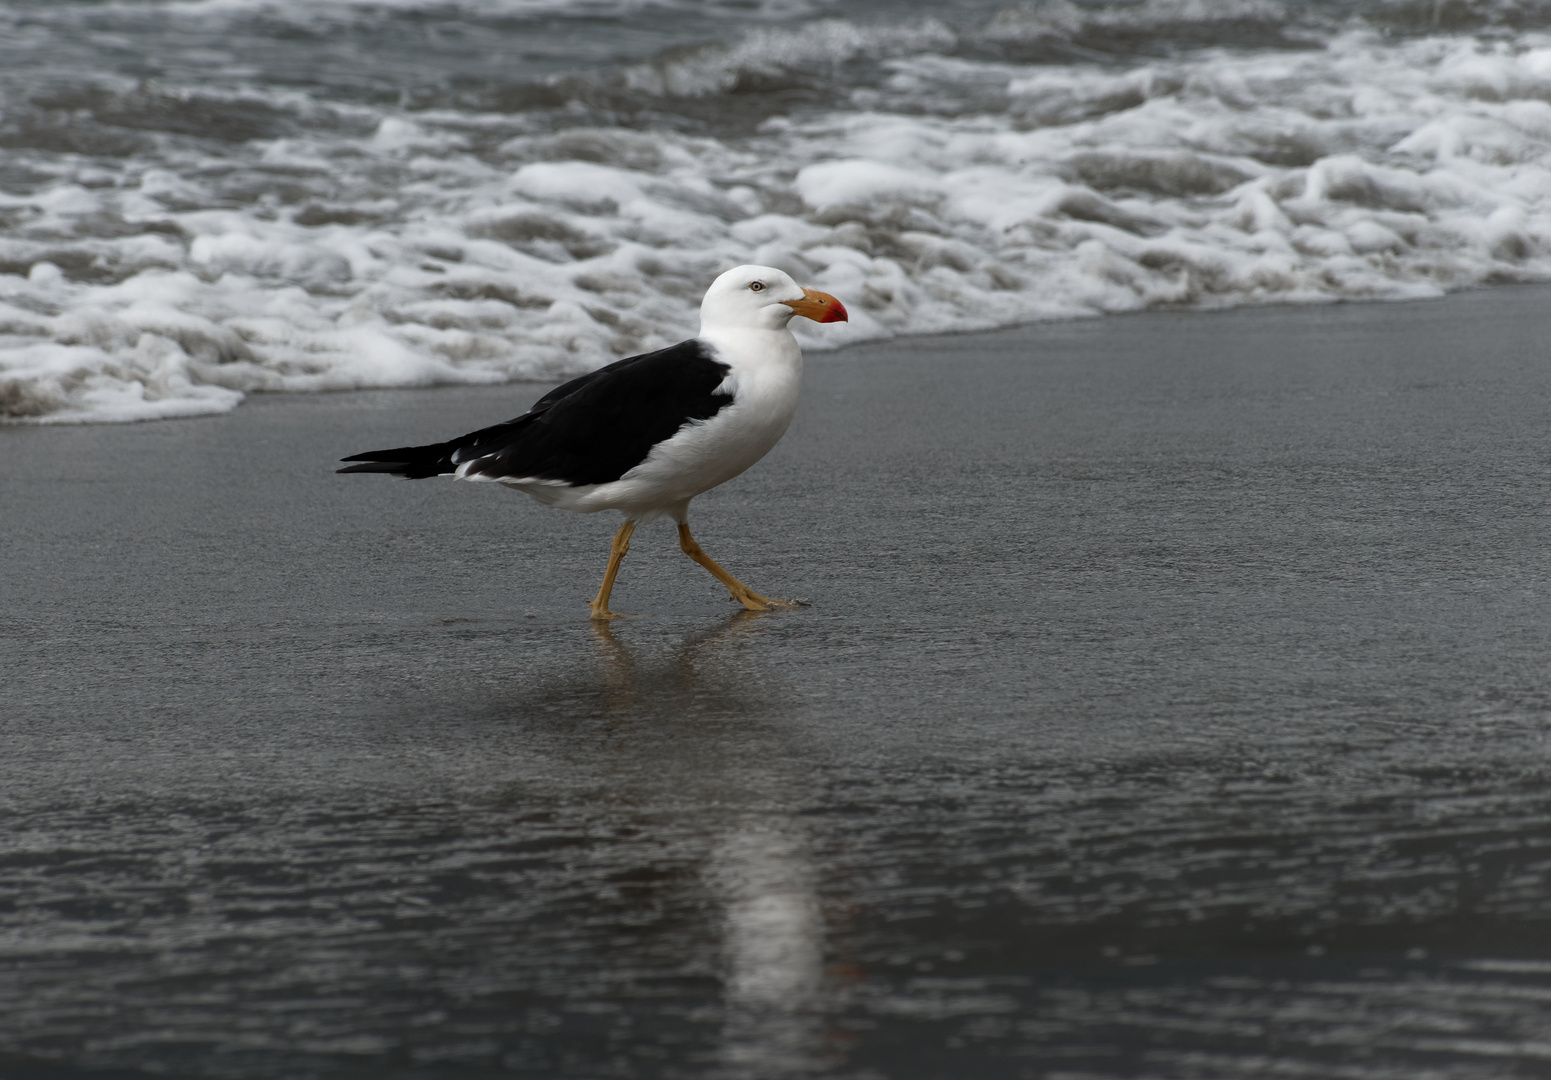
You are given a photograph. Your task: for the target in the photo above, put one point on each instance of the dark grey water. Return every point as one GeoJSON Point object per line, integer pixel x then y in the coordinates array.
{"type": "Point", "coordinates": [1173, 703]}
{"type": "Point", "coordinates": [480, 53]}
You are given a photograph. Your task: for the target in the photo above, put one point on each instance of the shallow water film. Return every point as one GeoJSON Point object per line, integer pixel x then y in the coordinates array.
{"type": "Point", "coordinates": [203, 199]}
{"type": "Point", "coordinates": [1173, 702]}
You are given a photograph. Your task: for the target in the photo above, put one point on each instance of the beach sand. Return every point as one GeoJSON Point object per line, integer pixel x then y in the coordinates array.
{"type": "Point", "coordinates": [1173, 700]}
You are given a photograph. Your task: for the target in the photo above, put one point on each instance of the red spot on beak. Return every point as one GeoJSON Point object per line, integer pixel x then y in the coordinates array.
{"type": "Point", "coordinates": [820, 307]}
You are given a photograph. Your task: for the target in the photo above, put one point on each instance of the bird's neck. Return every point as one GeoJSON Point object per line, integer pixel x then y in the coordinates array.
{"type": "Point", "coordinates": [754, 347]}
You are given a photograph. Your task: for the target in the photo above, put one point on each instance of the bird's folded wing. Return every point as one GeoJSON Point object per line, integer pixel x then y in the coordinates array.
{"type": "Point", "coordinates": [596, 428]}
{"type": "Point", "coordinates": [591, 430]}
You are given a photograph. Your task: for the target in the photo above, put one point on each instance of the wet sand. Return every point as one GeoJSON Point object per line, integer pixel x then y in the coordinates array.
{"type": "Point", "coordinates": [1173, 701]}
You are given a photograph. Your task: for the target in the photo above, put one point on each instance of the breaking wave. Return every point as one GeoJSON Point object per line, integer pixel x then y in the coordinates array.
{"type": "Point", "coordinates": [168, 246]}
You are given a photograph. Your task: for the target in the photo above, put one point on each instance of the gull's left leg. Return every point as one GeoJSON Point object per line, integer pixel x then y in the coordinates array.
{"type": "Point", "coordinates": [600, 606]}
{"type": "Point", "coordinates": [740, 592]}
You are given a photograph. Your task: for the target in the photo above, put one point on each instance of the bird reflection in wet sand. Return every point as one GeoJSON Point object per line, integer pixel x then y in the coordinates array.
{"type": "Point", "coordinates": [759, 868]}
{"type": "Point", "coordinates": [680, 689]}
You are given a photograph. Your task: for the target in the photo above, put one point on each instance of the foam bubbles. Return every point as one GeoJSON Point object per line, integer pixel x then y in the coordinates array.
{"type": "Point", "coordinates": [345, 246]}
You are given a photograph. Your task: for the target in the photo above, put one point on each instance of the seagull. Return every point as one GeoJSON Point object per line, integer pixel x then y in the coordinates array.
{"type": "Point", "coordinates": [646, 434]}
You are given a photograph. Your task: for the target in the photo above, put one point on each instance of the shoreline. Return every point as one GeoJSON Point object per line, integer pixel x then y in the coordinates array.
{"type": "Point", "coordinates": [815, 351]}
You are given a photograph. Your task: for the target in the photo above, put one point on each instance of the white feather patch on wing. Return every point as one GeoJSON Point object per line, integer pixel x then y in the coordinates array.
{"type": "Point", "coordinates": [464, 468]}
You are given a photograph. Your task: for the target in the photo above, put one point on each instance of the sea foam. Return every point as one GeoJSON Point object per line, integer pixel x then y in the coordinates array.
{"type": "Point", "coordinates": [380, 247]}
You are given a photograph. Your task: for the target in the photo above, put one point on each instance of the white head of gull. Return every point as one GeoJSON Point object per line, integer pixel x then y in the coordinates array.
{"type": "Point", "coordinates": [646, 434]}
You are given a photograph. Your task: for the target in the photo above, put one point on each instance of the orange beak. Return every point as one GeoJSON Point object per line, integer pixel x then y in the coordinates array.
{"type": "Point", "coordinates": [818, 306]}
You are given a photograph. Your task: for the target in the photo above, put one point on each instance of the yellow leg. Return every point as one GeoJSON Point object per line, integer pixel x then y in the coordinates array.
{"type": "Point", "coordinates": [740, 592]}
{"type": "Point", "coordinates": [600, 606]}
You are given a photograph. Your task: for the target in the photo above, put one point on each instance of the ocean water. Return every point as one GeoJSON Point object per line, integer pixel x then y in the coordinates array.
{"type": "Point", "coordinates": [203, 199]}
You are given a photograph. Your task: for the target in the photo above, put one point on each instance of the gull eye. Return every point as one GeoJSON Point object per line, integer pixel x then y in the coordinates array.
{"type": "Point", "coordinates": [756, 286]}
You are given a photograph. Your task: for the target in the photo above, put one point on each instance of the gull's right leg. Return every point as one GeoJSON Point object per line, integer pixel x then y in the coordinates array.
{"type": "Point", "coordinates": [739, 591]}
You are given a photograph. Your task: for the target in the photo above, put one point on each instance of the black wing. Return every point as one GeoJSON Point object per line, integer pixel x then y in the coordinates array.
{"type": "Point", "coordinates": [591, 430]}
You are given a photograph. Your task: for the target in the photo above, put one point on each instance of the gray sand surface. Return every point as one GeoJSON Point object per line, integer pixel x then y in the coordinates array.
{"type": "Point", "coordinates": [1173, 701]}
